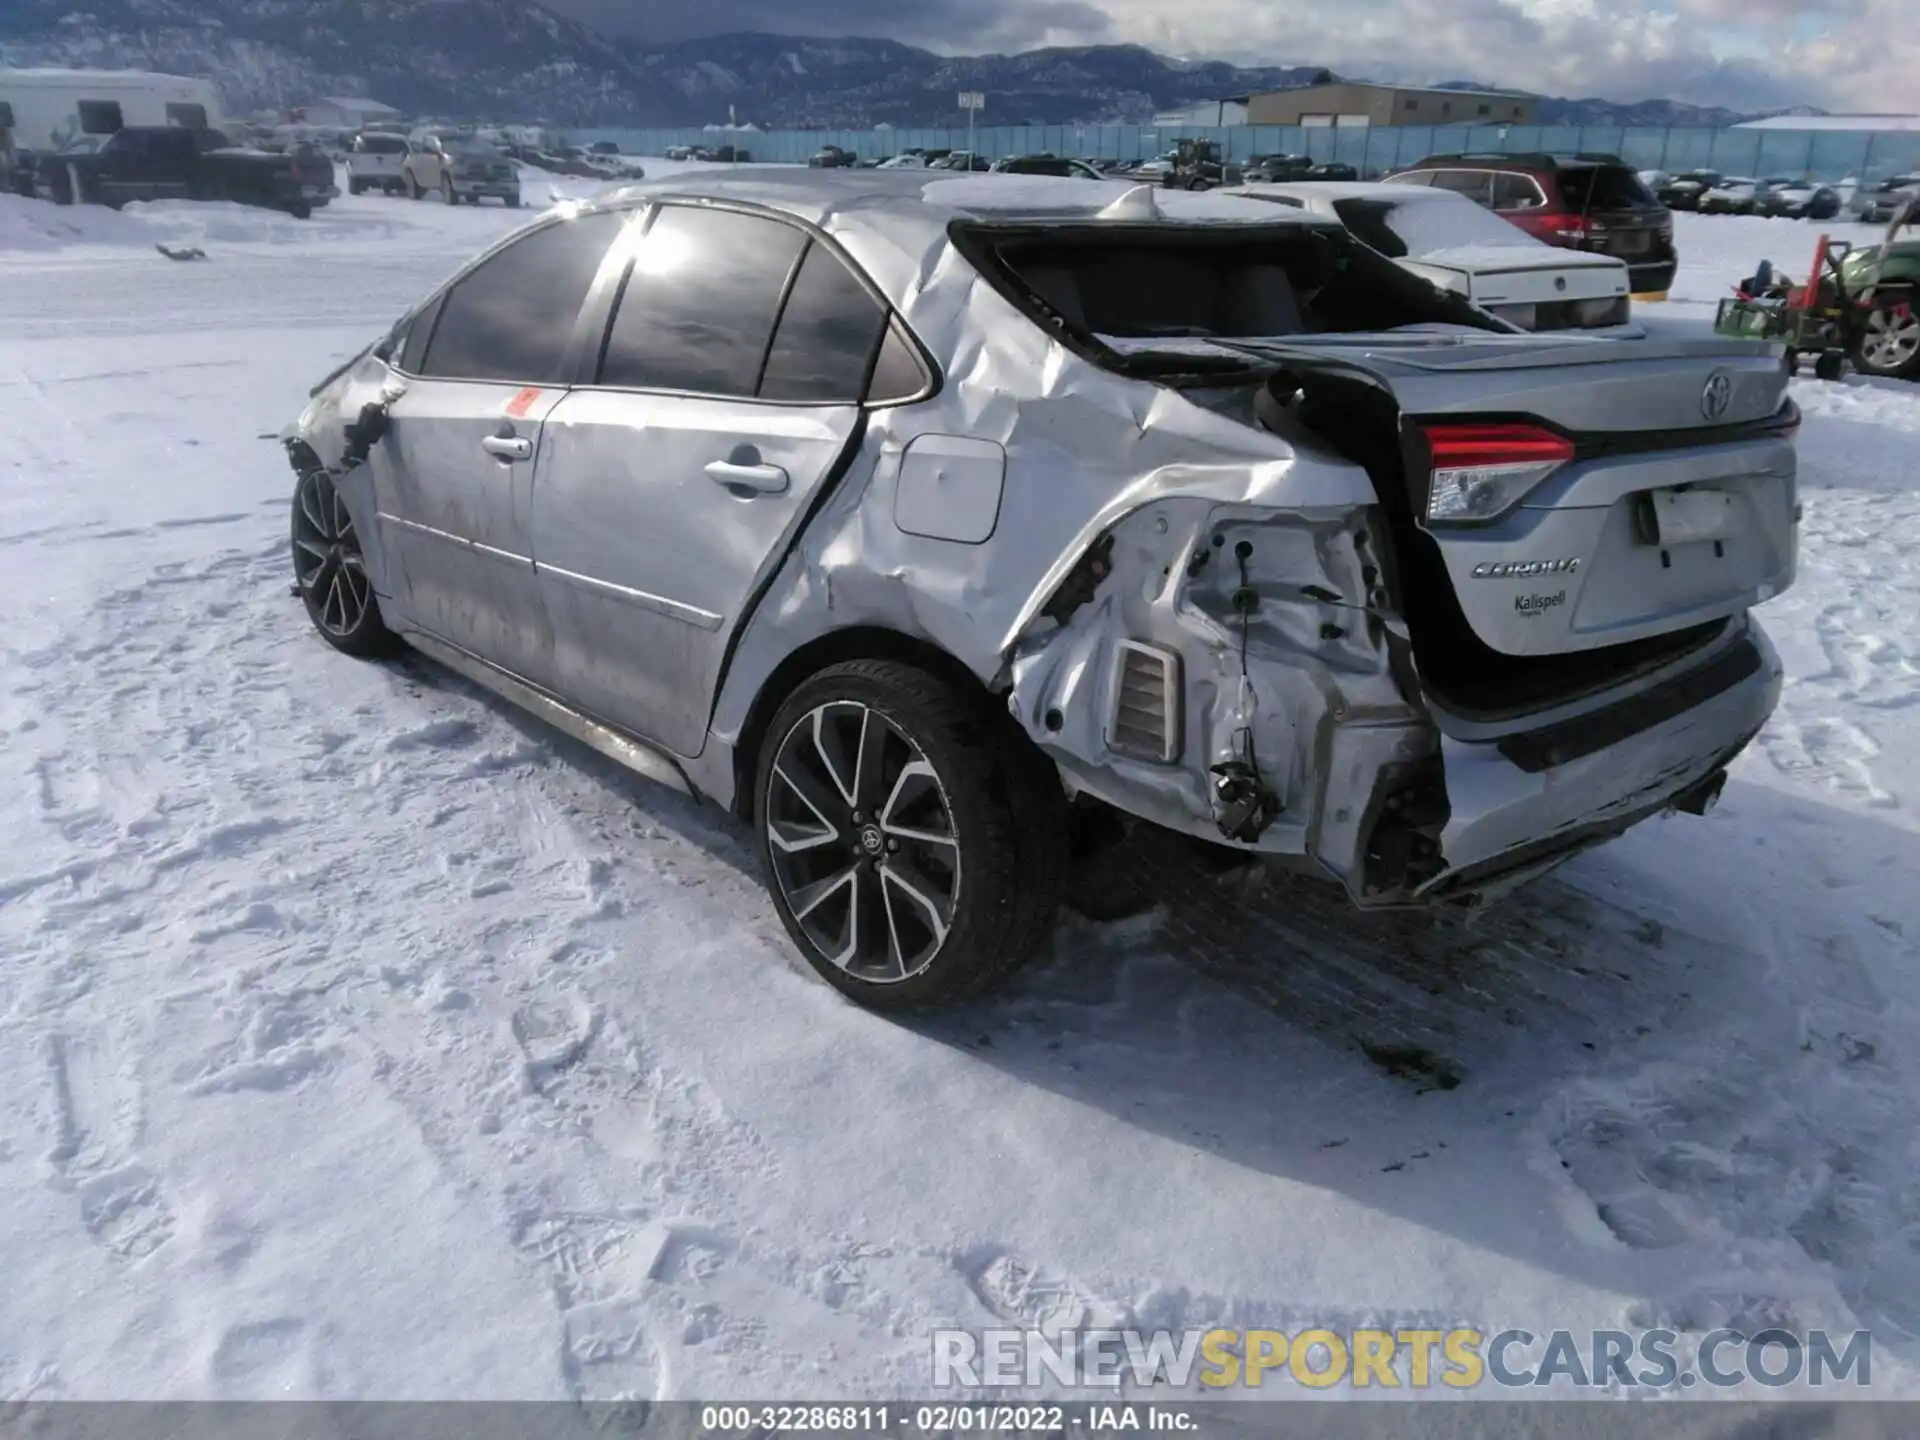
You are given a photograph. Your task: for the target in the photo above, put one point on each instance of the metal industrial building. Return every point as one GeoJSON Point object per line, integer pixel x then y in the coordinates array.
{"type": "Point", "coordinates": [1356, 103]}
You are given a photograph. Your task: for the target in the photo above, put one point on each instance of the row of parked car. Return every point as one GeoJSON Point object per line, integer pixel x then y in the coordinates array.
{"type": "Point", "coordinates": [460, 166]}
{"type": "Point", "coordinates": [1190, 160]}
{"type": "Point", "coordinates": [1709, 192]}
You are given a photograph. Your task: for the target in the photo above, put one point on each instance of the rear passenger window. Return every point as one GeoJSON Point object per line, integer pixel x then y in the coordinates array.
{"type": "Point", "coordinates": [698, 307]}
{"type": "Point", "coordinates": [1516, 192]}
{"type": "Point", "coordinates": [897, 373]}
{"type": "Point", "coordinates": [512, 317]}
{"type": "Point", "coordinates": [1476, 185]}
{"type": "Point", "coordinates": [829, 329]}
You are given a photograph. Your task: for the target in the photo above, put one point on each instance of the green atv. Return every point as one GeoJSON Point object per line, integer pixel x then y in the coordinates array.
{"type": "Point", "coordinates": [1858, 306]}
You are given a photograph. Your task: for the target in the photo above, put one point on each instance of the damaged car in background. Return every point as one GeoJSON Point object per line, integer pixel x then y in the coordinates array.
{"type": "Point", "coordinates": [917, 519]}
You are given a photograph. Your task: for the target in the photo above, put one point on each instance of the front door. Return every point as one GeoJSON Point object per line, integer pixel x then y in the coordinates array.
{"type": "Point", "coordinates": [672, 488]}
{"type": "Point", "coordinates": [454, 479]}
{"type": "Point", "coordinates": [454, 475]}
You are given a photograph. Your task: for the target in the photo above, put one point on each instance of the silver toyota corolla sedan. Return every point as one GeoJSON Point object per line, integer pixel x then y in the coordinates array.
{"type": "Point", "coordinates": [913, 517]}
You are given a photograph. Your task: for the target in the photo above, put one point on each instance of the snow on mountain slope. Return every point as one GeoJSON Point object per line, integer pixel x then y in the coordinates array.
{"type": "Point", "coordinates": [362, 1038]}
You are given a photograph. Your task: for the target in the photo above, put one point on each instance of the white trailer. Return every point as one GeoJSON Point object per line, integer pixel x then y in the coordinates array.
{"type": "Point", "coordinates": [53, 110]}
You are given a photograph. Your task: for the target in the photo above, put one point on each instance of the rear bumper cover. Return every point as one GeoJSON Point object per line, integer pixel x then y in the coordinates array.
{"type": "Point", "coordinates": [1513, 806]}
{"type": "Point", "coordinates": [1652, 277]}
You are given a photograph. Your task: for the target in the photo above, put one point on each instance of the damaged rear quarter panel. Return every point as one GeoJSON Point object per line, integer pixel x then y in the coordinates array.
{"type": "Point", "coordinates": [1091, 454]}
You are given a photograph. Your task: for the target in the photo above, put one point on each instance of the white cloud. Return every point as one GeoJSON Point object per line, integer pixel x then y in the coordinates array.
{"type": "Point", "coordinates": [1850, 55]}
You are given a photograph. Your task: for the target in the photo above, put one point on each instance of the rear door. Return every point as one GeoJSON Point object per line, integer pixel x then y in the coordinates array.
{"type": "Point", "coordinates": [736, 362]}
{"type": "Point", "coordinates": [454, 475]}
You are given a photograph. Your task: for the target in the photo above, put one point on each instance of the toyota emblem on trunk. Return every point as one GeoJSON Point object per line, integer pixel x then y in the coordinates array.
{"type": "Point", "coordinates": [1717, 398]}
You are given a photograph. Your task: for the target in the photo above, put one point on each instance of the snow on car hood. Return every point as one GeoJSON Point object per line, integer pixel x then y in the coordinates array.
{"type": "Point", "coordinates": [1529, 256]}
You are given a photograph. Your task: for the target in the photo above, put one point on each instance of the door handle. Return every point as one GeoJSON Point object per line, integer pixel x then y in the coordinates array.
{"type": "Point", "coordinates": [508, 448]}
{"type": "Point", "coordinates": [767, 479]}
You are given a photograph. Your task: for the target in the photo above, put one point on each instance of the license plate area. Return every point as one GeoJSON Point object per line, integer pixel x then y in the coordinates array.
{"type": "Point", "coordinates": [1683, 517]}
{"type": "Point", "coordinates": [1631, 242]}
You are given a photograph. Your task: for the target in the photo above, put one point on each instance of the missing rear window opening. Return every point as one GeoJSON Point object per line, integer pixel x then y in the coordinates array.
{"type": "Point", "coordinates": [1190, 282]}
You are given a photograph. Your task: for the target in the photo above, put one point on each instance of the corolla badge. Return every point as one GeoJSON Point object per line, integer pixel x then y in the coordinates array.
{"type": "Point", "coordinates": [1521, 569]}
{"type": "Point", "coordinates": [1717, 398]}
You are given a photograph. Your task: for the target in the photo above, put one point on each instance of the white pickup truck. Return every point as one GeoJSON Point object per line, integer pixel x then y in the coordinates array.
{"type": "Point", "coordinates": [376, 160]}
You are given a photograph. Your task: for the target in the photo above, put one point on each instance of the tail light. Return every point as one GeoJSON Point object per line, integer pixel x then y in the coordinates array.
{"type": "Point", "coordinates": [1482, 471]}
{"type": "Point", "coordinates": [1575, 227]}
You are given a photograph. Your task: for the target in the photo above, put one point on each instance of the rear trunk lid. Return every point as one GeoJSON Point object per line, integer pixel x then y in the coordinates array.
{"type": "Point", "coordinates": [1536, 287]}
{"type": "Point", "coordinates": [1563, 508]}
{"type": "Point", "coordinates": [1562, 497]}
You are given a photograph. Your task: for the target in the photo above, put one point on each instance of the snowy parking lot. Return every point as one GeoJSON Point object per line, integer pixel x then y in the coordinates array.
{"type": "Point", "coordinates": [362, 1038]}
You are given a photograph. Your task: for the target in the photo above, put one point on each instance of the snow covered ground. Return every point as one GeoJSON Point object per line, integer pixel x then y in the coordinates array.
{"type": "Point", "coordinates": [360, 1038]}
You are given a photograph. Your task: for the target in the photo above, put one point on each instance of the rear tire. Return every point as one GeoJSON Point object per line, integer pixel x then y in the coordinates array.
{"type": "Point", "coordinates": [913, 840]}
{"type": "Point", "coordinates": [415, 190]}
{"type": "Point", "coordinates": [1830, 366]}
{"type": "Point", "coordinates": [448, 195]}
{"type": "Point", "coordinates": [356, 187]}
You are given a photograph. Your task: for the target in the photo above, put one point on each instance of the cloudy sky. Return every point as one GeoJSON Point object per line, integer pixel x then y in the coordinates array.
{"type": "Point", "coordinates": [1858, 55]}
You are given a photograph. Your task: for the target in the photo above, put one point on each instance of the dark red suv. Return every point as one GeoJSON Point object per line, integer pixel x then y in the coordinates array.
{"type": "Point", "coordinates": [1579, 202]}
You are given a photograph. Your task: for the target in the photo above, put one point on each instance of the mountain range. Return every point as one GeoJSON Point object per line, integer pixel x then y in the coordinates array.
{"type": "Point", "coordinates": [513, 59]}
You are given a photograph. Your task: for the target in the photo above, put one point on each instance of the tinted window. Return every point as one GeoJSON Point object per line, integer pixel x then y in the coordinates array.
{"type": "Point", "coordinates": [381, 145]}
{"type": "Point", "coordinates": [1603, 187]}
{"type": "Point", "coordinates": [511, 318]}
{"type": "Point", "coordinates": [1414, 177]}
{"type": "Point", "coordinates": [194, 117]}
{"type": "Point", "coordinates": [699, 302]}
{"type": "Point", "coordinates": [897, 374]}
{"type": "Point", "coordinates": [828, 331]}
{"type": "Point", "coordinates": [413, 350]}
{"type": "Point", "coordinates": [6, 115]}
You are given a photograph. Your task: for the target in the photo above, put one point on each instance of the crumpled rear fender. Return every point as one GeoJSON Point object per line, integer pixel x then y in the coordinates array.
{"type": "Point", "coordinates": [1283, 657]}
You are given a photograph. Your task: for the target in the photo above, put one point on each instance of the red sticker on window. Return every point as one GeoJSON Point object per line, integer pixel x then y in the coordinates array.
{"type": "Point", "coordinates": [522, 403]}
